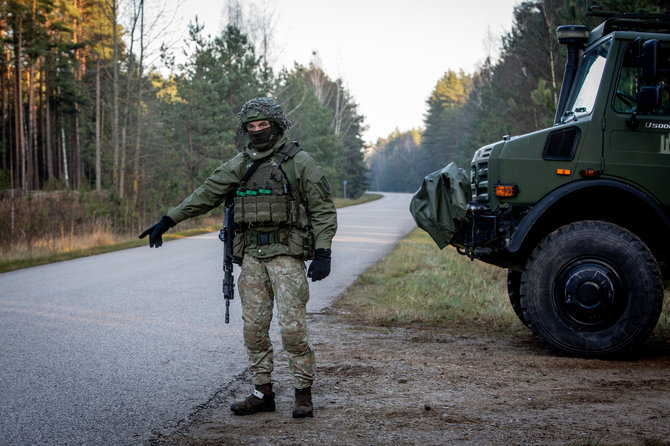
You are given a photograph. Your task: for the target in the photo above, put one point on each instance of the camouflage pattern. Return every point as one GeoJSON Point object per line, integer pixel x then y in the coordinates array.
{"type": "Point", "coordinates": [269, 273]}
{"type": "Point", "coordinates": [281, 279]}
{"type": "Point", "coordinates": [259, 109]}
{"type": "Point", "coordinates": [309, 185]}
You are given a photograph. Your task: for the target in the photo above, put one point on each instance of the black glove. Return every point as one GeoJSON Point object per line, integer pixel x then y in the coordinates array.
{"type": "Point", "coordinates": [155, 232]}
{"type": "Point", "coordinates": [320, 266]}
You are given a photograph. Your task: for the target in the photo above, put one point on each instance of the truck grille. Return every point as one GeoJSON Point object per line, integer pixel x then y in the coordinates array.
{"type": "Point", "coordinates": [479, 175]}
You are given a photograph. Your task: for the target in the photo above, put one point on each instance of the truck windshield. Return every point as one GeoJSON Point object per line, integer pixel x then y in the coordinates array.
{"type": "Point", "coordinates": [587, 81]}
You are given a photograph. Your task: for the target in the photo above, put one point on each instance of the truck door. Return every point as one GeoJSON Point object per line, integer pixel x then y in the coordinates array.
{"type": "Point", "coordinates": [637, 134]}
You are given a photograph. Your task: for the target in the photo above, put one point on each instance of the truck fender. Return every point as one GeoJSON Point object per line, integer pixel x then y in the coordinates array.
{"type": "Point", "coordinates": [555, 196]}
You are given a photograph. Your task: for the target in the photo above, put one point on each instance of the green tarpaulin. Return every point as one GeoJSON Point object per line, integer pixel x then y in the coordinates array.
{"type": "Point", "coordinates": [441, 201]}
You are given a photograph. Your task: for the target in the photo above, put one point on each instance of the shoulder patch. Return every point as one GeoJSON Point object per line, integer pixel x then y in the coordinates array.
{"type": "Point", "coordinates": [324, 187]}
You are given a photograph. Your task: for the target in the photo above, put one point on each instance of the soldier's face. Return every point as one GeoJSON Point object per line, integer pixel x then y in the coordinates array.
{"type": "Point", "coordinates": [255, 126]}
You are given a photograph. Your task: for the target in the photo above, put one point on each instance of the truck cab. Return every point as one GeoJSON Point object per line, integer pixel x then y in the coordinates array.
{"type": "Point", "coordinates": [579, 213]}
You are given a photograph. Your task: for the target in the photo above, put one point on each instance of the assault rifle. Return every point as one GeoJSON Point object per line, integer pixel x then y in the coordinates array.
{"type": "Point", "coordinates": [226, 236]}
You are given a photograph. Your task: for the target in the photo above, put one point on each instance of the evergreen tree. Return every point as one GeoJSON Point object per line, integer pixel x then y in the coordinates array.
{"type": "Point", "coordinates": [444, 131]}
{"type": "Point", "coordinates": [393, 162]}
{"type": "Point", "coordinates": [201, 118]}
{"type": "Point", "coordinates": [311, 124]}
{"type": "Point", "coordinates": [325, 114]}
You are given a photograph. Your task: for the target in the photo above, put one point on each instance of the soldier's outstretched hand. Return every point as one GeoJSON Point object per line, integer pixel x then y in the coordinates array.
{"type": "Point", "coordinates": [156, 232]}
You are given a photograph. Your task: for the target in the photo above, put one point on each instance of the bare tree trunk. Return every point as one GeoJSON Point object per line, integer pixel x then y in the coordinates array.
{"type": "Point", "coordinates": [126, 113]}
{"type": "Point", "coordinates": [18, 111]}
{"type": "Point", "coordinates": [122, 169]}
{"type": "Point", "coordinates": [115, 99]}
{"type": "Point", "coordinates": [13, 163]}
{"type": "Point", "coordinates": [98, 151]}
{"type": "Point", "coordinates": [7, 108]}
{"type": "Point", "coordinates": [4, 88]}
{"type": "Point", "coordinates": [337, 117]}
{"type": "Point", "coordinates": [190, 157]}
{"type": "Point", "coordinates": [550, 29]}
{"type": "Point", "coordinates": [47, 131]}
{"type": "Point", "coordinates": [33, 155]}
{"type": "Point", "coordinates": [77, 164]}
{"type": "Point", "coordinates": [317, 79]}
{"type": "Point", "coordinates": [66, 174]}
{"type": "Point", "coordinates": [39, 124]}
{"type": "Point", "coordinates": [77, 173]}
{"type": "Point", "coordinates": [136, 160]}
{"type": "Point", "coordinates": [32, 134]}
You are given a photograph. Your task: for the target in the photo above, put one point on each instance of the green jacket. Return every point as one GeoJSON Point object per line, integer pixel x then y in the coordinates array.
{"type": "Point", "coordinates": [308, 184]}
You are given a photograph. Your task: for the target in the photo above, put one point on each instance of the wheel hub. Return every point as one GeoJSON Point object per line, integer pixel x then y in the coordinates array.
{"type": "Point", "coordinates": [589, 295]}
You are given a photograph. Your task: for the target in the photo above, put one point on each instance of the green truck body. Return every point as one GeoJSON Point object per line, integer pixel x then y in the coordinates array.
{"type": "Point", "coordinates": [579, 213]}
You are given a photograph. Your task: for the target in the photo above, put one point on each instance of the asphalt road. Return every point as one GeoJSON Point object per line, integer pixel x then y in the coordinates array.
{"type": "Point", "coordinates": [113, 348]}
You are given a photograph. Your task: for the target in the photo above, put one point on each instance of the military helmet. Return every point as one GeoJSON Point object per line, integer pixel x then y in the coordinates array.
{"type": "Point", "coordinates": [258, 109]}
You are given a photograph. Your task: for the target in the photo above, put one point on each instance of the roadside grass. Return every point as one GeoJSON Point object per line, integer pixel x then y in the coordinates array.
{"type": "Point", "coordinates": [102, 240]}
{"type": "Point", "coordinates": [342, 203]}
{"type": "Point", "coordinates": [419, 284]}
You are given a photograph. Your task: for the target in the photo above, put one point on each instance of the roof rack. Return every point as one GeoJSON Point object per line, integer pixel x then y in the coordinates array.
{"type": "Point", "coordinates": [596, 10]}
{"type": "Point", "coordinates": [627, 15]}
{"type": "Point", "coordinates": [628, 21]}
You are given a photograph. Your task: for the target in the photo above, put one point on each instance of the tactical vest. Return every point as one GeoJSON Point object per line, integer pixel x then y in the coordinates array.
{"type": "Point", "coordinates": [269, 212]}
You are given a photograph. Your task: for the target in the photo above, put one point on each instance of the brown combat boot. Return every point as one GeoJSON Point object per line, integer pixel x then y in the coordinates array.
{"type": "Point", "coordinates": [303, 403]}
{"type": "Point", "coordinates": [261, 400]}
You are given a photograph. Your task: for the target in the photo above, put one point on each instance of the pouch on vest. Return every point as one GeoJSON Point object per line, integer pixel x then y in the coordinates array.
{"type": "Point", "coordinates": [263, 213]}
{"type": "Point", "coordinates": [249, 206]}
{"type": "Point", "coordinates": [262, 209]}
{"type": "Point", "coordinates": [298, 214]}
{"type": "Point", "coordinates": [301, 243]}
{"type": "Point", "coordinates": [279, 208]}
{"type": "Point", "coordinates": [238, 245]}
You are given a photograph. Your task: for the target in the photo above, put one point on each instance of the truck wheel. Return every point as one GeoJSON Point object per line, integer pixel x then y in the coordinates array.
{"type": "Point", "coordinates": [591, 289]}
{"type": "Point", "coordinates": [514, 293]}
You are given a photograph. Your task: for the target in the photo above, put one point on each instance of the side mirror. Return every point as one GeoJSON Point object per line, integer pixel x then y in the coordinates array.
{"type": "Point", "coordinates": [649, 98]}
{"type": "Point", "coordinates": [648, 61]}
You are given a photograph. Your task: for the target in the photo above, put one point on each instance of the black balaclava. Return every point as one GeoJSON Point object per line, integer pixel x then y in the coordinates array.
{"type": "Point", "coordinates": [266, 138]}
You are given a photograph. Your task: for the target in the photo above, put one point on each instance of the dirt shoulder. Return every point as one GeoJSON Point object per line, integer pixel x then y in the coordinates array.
{"type": "Point", "coordinates": [398, 386]}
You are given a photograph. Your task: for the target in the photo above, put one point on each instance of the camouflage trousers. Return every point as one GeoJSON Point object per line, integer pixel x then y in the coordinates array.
{"type": "Point", "coordinates": [281, 279]}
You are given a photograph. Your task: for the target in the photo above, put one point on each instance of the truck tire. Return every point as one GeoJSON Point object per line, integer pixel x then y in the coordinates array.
{"type": "Point", "coordinates": [514, 293]}
{"type": "Point", "coordinates": [591, 289]}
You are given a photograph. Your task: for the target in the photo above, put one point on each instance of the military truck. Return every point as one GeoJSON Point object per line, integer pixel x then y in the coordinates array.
{"type": "Point", "coordinates": [578, 213]}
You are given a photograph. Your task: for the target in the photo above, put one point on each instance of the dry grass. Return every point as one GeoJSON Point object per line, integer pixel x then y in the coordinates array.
{"type": "Point", "coordinates": [419, 283]}
{"type": "Point", "coordinates": [342, 203]}
{"type": "Point", "coordinates": [96, 241]}
{"type": "Point", "coordinates": [70, 240]}
{"type": "Point", "coordinates": [50, 246]}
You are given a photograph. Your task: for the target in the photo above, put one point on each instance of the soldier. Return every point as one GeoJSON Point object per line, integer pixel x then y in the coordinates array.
{"type": "Point", "coordinates": [286, 215]}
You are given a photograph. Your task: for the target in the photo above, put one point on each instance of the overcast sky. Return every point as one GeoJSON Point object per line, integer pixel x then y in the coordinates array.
{"type": "Point", "coordinates": [389, 53]}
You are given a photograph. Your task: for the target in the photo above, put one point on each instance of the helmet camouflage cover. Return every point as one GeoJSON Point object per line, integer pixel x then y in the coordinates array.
{"type": "Point", "coordinates": [258, 109]}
